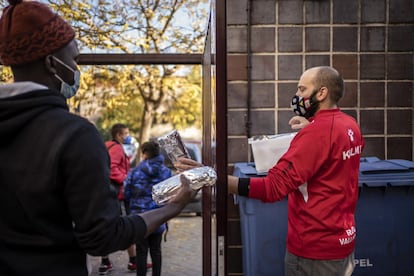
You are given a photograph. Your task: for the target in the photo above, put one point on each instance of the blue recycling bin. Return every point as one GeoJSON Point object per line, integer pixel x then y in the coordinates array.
{"type": "Point", "coordinates": [384, 219]}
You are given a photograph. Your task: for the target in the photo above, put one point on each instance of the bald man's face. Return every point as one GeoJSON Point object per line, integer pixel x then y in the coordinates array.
{"type": "Point", "coordinates": [306, 85]}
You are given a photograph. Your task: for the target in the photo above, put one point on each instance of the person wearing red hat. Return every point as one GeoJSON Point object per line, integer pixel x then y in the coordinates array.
{"type": "Point", "coordinates": [56, 200]}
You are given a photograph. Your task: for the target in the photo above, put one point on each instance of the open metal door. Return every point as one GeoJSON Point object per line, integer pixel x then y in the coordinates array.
{"type": "Point", "coordinates": [215, 141]}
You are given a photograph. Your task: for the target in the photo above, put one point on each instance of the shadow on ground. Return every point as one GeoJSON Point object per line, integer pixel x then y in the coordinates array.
{"type": "Point", "coordinates": [181, 253]}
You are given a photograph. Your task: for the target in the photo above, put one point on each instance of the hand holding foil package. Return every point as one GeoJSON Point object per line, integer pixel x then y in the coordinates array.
{"type": "Point", "coordinates": [173, 146]}
{"type": "Point", "coordinates": [198, 177]}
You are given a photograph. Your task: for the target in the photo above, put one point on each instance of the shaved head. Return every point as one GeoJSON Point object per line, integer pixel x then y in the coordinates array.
{"type": "Point", "coordinates": [325, 76]}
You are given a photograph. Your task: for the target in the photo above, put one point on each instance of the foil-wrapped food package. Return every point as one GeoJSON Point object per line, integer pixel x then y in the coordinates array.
{"type": "Point", "coordinates": [173, 145]}
{"type": "Point", "coordinates": [197, 177]}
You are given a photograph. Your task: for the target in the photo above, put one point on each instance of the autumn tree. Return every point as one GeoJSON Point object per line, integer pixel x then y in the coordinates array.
{"type": "Point", "coordinates": [156, 29]}
{"type": "Point", "coordinates": [141, 94]}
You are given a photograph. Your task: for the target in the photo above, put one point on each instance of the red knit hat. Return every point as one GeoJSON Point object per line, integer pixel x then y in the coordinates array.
{"type": "Point", "coordinates": [30, 31]}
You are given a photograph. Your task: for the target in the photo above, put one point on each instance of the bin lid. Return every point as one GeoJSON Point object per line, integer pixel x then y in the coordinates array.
{"type": "Point", "coordinates": [249, 169]}
{"type": "Point", "coordinates": [392, 172]}
{"type": "Point", "coordinates": [382, 166]}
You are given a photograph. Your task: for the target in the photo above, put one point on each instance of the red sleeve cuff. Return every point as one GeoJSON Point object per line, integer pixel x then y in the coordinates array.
{"type": "Point", "coordinates": [257, 188]}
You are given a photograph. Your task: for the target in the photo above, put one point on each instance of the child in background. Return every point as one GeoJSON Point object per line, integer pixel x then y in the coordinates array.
{"type": "Point", "coordinates": [138, 191]}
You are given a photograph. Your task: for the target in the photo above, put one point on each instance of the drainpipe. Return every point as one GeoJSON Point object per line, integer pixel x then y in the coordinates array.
{"type": "Point", "coordinates": [249, 69]}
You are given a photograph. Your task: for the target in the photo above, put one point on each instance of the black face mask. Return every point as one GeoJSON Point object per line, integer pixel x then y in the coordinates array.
{"type": "Point", "coordinates": [305, 107]}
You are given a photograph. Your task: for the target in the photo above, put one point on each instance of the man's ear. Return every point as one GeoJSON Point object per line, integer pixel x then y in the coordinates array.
{"type": "Point", "coordinates": [118, 136]}
{"type": "Point", "coordinates": [50, 64]}
{"type": "Point", "coordinates": [322, 94]}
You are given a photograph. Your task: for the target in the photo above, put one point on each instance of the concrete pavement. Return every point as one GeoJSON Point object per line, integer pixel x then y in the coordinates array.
{"type": "Point", "coordinates": [181, 253]}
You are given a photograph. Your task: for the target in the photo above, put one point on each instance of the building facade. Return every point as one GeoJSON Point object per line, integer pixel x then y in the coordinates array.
{"type": "Point", "coordinates": [271, 42]}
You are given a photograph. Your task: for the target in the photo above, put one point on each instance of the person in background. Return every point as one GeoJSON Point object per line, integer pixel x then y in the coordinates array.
{"type": "Point", "coordinates": [120, 165]}
{"type": "Point", "coordinates": [319, 172]}
{"type": "Point", "coordinates": [60, 207]}
{"type": "Point", "coordinates": [138, 191]}
{"type": "Point", "coordinates": [131, 150]}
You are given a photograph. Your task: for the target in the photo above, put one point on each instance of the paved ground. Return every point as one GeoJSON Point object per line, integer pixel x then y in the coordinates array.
{"type": "Point", "coordinates": [181, 254]}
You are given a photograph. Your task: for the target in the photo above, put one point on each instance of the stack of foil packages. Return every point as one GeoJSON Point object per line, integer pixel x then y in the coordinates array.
{"type": "Point", "coordinates": [197, 177]}
{"type": "Point", "coordinates": [173, 146]}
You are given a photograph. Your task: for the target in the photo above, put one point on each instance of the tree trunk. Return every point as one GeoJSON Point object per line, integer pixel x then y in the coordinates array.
{"type": "Point", "coordinates": [146, 123]}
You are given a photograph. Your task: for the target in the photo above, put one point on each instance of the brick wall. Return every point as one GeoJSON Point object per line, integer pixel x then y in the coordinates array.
{"type": "Point", "coordinates": [370, 42]}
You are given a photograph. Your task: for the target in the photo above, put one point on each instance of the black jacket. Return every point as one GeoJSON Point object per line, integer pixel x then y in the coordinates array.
{"type": "Point", "coordinates": [56, 203]}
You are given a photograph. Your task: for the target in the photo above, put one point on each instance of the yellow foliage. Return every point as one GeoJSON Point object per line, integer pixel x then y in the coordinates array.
{"type": "Point", "coordinates": [119, 93]}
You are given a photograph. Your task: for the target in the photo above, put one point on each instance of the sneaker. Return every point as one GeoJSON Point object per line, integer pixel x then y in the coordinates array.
{"type": "Point", "coordinates": [105, 268]}
{"type": "Point", "coordinates": [132, 267]}
{"type": "Point", "coordinates": [149, 265]}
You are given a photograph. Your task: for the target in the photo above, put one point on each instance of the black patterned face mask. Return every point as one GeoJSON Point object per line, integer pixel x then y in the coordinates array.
{"type": "Point", "coordinates": [305, 107]}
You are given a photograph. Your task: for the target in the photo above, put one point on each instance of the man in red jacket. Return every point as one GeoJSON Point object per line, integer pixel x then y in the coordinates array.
{"type": "Point", "coordinates": [319, 172]}
{"type": "Point", "coordinates": [120, 165]}
{"type": "Point", "coordinates": [119, 160]}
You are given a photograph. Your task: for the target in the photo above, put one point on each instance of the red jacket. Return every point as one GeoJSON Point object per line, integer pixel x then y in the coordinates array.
{"type": "Point", "coordinates": [320, 173]}
{"type": "Point", "coordinates": [119, 165]}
